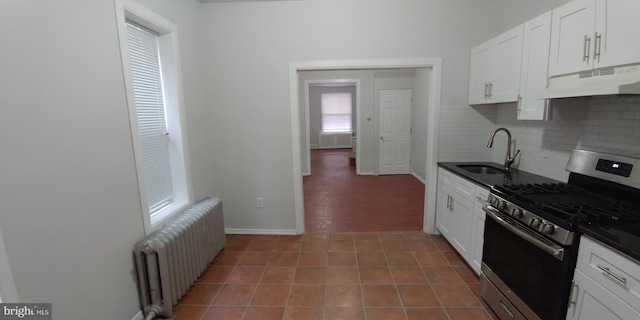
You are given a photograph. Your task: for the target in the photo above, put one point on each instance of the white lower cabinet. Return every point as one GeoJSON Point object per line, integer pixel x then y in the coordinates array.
{"type": "Point", "coordinates": [459, 215]}
{"type": "Point", "coordinates": [605, 285]}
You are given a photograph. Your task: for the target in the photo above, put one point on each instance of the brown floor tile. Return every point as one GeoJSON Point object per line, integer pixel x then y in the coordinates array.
{"type": "Point", "coordinates": [394, 245]}
{"type": "Point", "coordinates": [421, 245]}
{"type": "Point", "coordinates": [385, 314]}
{"type": "Point", "coordinates": [408, 275]}
{"type": "Point", "coordinates": [228, 257]}
{"type": "Point", "coordinates": [426, 313]}
{"type": "Point", "coordinates": [368, 245]}
{"type": "Point", "coordinates": [431, 259]}
{"type": "Point", "coordinates": [245, 274]}
{"type": "Point", "coordinates": [456, 295]}
{"type": "Point", "coordinates": [371, 259]}
{"type": "Point", "coordinates": [278, 275]}
{"type": "Point", "coordinates": [342, 275]}
{"type": "Point", "coordinates": [375, 275]}
{"type": "Point", "coordinates": [238, 244]}
{"type": "Point", "coordinates": [254, 258]}
{"type": "Point", "coordinates": [339, 245]}
{"type": "Point", "coordinates": [223, 313]}
{"type": "Point", "coordinates": [442, 275]}
{"type": "Point", "coordinates": [415, 235]}
{"type": "Point", "coordinates": [307, 295]}
{"type": "Point", "coordinates": [235, 294]}
{"type": "Point", "coordinates": [283, 259]}
{"type": "Point", "coordinates": [216, 274]}
{"type": "Point", "coordinates": [288, 245]}
{"type": "Point", "coordinates": [390, 236]}
{"type": "Point", "coordinates": [310, 275]}
{"type": "Point", "coordinates": [266, 244]}
{"type": "Point", "coordinates": [271, 295]}
{"type": "Point", "coordinates": [306, 313]}
{"type": "Point", "coordinates": [182, 312]}
{"type": "Point", "coordinates": [312, 235]}
{"type": "Point", "coordinates": [468, 314]}
{"type": "Point", "coordinates": [315, 245]}
{"type": "Point", "coordinates": [355, 313]}
{"type": "Point", "coordinates": [201, 294]}
{"type": "Point", "coordinates": [343, 296]}
{"type": "Point", "coordinates": [380, 296]}
{"type": "Point", "coordinates": [365, 236]}
{"type": "Point", "coordinates": [264, 313]}
{"type": "Point", "coordinates": [342, 259]}
{"type": "Point", "coordinates": [443, 245]}
{"type": "Point", "coordinates": [454, 258]}
{"type": "Point", "coordinates": [313, 259]}
{"type": "Point", "coordinates": [342, 236]}
{"type": "Point", "coordinates": [418, 296]}
{"type": "Point", "coordinates": [467, 274]}
{"type": "Point", "coordinates": [401, 258]}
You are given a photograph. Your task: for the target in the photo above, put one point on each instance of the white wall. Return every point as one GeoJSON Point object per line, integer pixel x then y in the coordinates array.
{"type": "Point", "coordinates": [249, 84]}
{"type": "Point", "coordinates": [70, 207]}
{"type": "Point", "coordinates": [516, 12]}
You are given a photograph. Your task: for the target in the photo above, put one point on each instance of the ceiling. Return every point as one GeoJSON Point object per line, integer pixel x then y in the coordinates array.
{"type": "Point", "coordinates": [243, 0]}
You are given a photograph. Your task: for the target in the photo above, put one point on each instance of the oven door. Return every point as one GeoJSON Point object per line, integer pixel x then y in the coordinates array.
{"type": "Point", "coordinates": [534, 269]}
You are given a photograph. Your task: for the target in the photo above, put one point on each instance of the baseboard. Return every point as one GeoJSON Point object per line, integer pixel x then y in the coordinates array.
{"type": "Point", "coordinates": [314, 146]}
{"type": "Point", "coordinates": [138, 316]}
{"type": "Point", "coordinates": [260, 231]}
{"type": "Point", "coordinates": [419, 178]}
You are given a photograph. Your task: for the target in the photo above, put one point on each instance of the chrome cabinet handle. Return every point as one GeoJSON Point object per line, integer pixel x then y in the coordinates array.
{"type": "Point", "coordinates": [486, 86]}
{"type": "Point", "coordinates": [596, 46]}
{"type": "Point", "coordinates": [490, 89]}
{"type": "Point", "coordinates": [613, 275]}
{"type": "Point", "coordinates": [586, 50]}
{"type": "Point", "coordinates": [519, 104]}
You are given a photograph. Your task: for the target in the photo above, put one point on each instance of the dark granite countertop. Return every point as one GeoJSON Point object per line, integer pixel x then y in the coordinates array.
{"type": "Point", "coordinates": [488, 180]}
{"type": "Point", "coordinates": [623, 238]}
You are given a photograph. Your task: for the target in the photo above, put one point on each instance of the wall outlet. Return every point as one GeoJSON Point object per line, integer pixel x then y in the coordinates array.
{"type": "Point", "coordinates": [260, 202]}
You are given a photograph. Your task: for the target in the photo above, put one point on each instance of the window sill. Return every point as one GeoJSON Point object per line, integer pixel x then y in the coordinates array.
{"type": "Point", "coordinates": [159, 218]}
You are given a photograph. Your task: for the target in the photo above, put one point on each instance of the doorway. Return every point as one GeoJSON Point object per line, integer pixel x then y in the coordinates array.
{"type": "Point", "coordinates": [431, 85]}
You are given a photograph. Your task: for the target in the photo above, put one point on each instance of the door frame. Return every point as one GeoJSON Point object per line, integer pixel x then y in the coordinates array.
{"type": "Point", "coordinates": [433, 115]}
{"type": "Point", "coordinates": [309, 83]}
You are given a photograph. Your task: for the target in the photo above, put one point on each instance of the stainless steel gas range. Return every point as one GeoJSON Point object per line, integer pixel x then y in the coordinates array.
{"type": "Point", "coordinates": [531, 239]}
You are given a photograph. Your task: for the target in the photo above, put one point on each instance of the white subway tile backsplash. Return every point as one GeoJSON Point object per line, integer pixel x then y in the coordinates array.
{"type": "Point", "coordinates": [612, 125]}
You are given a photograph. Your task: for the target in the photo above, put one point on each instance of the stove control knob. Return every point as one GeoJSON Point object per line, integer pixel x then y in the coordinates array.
{"type": "Point", "coordinates": [492, 200]}
{"type": "Point", "coordinates": [548, 228]}
{"type": "Point", "coordinates": [501, 204]}
{"type": "Point", "coordinates": [535, 223]}
{"type": "Point", "coordinates": [516, 213]}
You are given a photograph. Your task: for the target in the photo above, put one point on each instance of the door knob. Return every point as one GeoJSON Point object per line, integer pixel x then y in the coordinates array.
{"type": "Point", "coordinates": [381, 138]}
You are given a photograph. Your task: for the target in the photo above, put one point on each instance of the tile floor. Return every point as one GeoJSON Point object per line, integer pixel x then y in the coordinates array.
{"type": "Point", "coordinates": [336, 275]}
{"type": "Point", "coordinates": [336, 199]}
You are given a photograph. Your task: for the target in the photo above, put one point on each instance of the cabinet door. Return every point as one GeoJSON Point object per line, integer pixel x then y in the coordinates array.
{"type": "Point", "coordinates": [572, 37]}
{"type": "Point", "coordinates": [617, 25]}
{"type": "Point", "coordinates": [480, 73]}
{"type": "Point", "coordinates": [505, 84]}
{"type": "Point", "coordinates": [535, 62]}
{"type": "Point", "coordinates": [461, 226]}
{"type": "Point", "coordinates": [590, 301]}
{"type": "Point", "coordinates": [443, 213]}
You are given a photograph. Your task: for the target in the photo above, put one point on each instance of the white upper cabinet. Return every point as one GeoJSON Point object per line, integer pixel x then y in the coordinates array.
{"type": "Point", "coordinates": [495, 69]}
{"type": "Point", "coordinates": [590, 34]}
{"type": "Point", "coordinates": [535, 61]}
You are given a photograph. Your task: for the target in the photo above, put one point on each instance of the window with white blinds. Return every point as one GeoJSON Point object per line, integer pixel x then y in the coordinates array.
{"type": "Point", "coordinates": [336, 112]}
{"type": "Point", "coordinates": [151, 116]}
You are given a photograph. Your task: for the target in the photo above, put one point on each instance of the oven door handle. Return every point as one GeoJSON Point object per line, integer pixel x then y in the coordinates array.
{"type": "Point", "coordinates": [555, 251]}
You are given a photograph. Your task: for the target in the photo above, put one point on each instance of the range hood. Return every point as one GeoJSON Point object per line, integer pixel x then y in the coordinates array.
{"type": "Point", "coordinates": [609, 81]}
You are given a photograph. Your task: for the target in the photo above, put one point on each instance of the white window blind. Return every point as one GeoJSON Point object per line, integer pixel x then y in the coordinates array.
{"type": "Point", "coordinates": [151, 116]}
{"type": "Point", "coordinates": [336, 112]}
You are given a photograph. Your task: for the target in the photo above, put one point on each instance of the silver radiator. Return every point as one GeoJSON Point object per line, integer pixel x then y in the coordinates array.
{"type": "Point", "coordinates": [171, 259]}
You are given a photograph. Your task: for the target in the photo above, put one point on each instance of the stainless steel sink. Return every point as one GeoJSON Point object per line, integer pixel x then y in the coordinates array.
{"type": "Point", "coordinates": [480, 169]}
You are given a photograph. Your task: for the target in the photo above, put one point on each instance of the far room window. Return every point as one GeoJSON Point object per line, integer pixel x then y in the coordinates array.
{"type": "Point", "coordinates": [336, 112]}
{"type": "Point", "coordinates": [152, 78]}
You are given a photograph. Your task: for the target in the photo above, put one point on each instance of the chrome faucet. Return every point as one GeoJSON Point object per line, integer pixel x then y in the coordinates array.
{"type": "Point", "coordinates": [508, 161]}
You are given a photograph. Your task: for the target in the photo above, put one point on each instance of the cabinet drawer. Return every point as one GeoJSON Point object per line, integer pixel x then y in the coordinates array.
{"type": "Point", "coordinates": [464, 188]}
{"type": "Point", "coordinates": [617, 273]}
{"type": "Point", "coordinates": [446, 177]}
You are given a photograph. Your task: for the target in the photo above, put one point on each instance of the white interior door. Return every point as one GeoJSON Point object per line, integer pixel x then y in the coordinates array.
{"type": "Point", "coordinates": [395, 132]}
